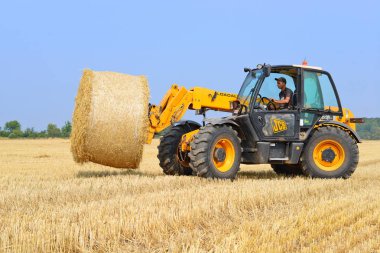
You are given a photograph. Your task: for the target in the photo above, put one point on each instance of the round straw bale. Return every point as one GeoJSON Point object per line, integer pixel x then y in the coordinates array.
{"type": "Point", "coordinates": [110, 119]}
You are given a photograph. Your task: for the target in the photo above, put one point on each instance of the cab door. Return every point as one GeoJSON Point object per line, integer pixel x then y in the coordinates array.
{"type": "Point", "coordinates": [320, 98]}
{"type": "Point", "coordinates": [276, 125]}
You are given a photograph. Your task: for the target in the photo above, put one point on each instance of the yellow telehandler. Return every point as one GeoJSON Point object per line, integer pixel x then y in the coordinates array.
{"type": "Point", "coordinates": [313, 135]}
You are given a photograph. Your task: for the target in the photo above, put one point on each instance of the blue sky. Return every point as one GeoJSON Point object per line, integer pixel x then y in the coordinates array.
{"type": "Point", "coordinates": [45, 45]}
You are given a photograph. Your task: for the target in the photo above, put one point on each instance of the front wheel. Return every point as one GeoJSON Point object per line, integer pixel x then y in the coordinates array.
{"type": "Point", "coordinates": [172, 160]}
{"type": "Point", "coordinates": [215, 152]}
{"type": "Point", "coordinates": [330, 153]}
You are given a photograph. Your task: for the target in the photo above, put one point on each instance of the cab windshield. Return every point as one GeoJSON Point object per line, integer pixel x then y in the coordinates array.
{"type": "Point", "coordinates": [249, 86]}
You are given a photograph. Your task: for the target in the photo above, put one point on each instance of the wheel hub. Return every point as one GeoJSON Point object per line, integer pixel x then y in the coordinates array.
{"type": "Point", "coordinates": [223, 155]}
{"type": "Point", "coordinates": [328, 155]}
{"type": "Point", "coordinates": [219, 154]}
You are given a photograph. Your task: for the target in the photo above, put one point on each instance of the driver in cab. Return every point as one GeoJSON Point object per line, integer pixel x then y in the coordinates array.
{"type": "Point", "coordinates": [285, 94]}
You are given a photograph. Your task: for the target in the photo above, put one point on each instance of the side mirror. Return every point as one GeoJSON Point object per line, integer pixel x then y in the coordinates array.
{"type": "Point", "coordinates": [267, 70]}
{"type": "Point", "coordinates": [247, 69]}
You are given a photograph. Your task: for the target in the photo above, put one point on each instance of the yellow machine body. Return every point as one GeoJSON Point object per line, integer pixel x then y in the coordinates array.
{"type": "Point", "coordinates": [178, 100]}
{"type": "Point", "coordinates": [347, 118]}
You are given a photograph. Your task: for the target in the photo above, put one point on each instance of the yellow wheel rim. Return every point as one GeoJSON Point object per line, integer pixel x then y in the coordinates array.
{"type": "Point", "coordinates": [223, 155]}
{"type": "Point", "coordinates": [328, 155]}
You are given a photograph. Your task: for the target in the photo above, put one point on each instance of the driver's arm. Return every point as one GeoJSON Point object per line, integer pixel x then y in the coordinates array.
{"type": "Point", "coordinates": [286, 100]}
{"type": "Point", "coordinates": [283, 101]}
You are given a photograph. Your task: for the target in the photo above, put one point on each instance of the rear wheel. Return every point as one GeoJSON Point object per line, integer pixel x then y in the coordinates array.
{"type": "Point", "coordinates": [330, 153]}
{"type": "Point", "coordinates": [287, 169]}
{"type": "Point", "coordinates": [172, 160]}
{"type": "Point", "coordinates": [215, 152]}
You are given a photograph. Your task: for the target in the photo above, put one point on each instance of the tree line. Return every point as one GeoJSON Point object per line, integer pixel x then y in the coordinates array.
{"type": "Point", "coordinates": [370, 130]}
{"type": "Point", "coordinates": [12, 129]}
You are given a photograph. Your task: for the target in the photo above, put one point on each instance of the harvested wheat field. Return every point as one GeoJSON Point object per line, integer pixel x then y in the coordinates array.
{"type": "Point", "coordinates": [50, 203]}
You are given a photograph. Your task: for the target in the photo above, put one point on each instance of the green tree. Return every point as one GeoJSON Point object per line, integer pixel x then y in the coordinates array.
{"type": "Point", "coordinates": [370, 130]}
{"type": "Point", "coordinates": [12, 136]}
{"type": "Point", "coordinates": [42, 134]}
{"type": "Point", "coordinates": [10, 126]}
{"type": "Point", "coordinates": [17, 133]}
{"type": "Point", "coordinates": [66, 129]}
{"type": "Point", "coordinates": [53, 130]}
{"type": "Point", "coordinates": [30, 133]}
{"type": "Point", "coordinates": [375, 133]}
{"type": "Point", "coordinates": [2, 133]}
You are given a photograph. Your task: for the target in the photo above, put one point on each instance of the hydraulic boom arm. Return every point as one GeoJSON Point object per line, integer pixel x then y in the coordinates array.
{"type": "Point", "coordinates": [178, 100]}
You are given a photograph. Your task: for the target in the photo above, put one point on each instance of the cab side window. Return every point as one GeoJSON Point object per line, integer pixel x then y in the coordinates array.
{"type": "Point", "coordinates": [318, 92]}
{"type": "Point", "coordinates": [312, 91]}
{"type": "Point", "coordinates": [269, 87]}
{"type": "Point", "coordinates": [329, 99]}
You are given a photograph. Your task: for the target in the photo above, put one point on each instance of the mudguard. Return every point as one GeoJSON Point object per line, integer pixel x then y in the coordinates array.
{"type": "Point", "coordinates": [226, 121]}
{"type": "Point", "coordinates": [339, 125]}
{"type": "Point", "coordinates": [222, 121]}
{"type": "Point", "coordinates": [192, 124]}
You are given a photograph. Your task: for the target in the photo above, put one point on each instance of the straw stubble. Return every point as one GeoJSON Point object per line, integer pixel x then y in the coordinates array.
{"type": "Point", "coordinates": [110, 119]}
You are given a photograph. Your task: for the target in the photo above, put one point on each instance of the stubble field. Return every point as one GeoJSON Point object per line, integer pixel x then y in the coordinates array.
{"type": "Point", "coordinates": [49, 203]}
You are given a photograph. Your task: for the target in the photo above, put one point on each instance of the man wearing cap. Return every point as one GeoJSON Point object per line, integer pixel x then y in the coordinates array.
{"type": "Point", "coordinates": [285, 94]}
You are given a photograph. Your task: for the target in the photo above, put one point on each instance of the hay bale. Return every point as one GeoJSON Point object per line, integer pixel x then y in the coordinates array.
{"type": "Point", "coordinates": [110, 119]}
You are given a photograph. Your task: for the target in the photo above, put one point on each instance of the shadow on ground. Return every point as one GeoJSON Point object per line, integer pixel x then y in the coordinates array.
{"type": "Point", "coordinates": [106, 173]}
{"type": "Point", "coordinates": [258, 175]}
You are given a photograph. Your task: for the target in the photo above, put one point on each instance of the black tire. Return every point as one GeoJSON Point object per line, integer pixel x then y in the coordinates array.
{"type": "Point", "coordinates": [168, 152]}
{"type": "Point", "coordinates": [203, 149]}
{"type": "Point", "coordinates": [287, 169]}
{"type": "Point", "coordinates": [347, 143]}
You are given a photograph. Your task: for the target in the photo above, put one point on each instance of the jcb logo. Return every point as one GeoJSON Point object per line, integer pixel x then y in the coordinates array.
{"type": "Point", "coordinates": [279, 125]}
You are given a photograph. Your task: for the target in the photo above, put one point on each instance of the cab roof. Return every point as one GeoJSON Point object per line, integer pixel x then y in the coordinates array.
{"type": "Point", "coordinates": [307, 67]}
{"type": "Point", "coordinates": [291, 70]}
{"type": "Point", "coordinates": [297, 66]}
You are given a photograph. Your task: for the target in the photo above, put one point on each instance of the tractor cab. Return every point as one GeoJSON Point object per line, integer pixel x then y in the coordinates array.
{"type": "Point", "coordinates": [311, 95]}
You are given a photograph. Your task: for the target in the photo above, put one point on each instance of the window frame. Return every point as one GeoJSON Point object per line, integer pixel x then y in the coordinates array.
{"type": "Point", "coordinates": [297, 84]}
{"type": "Point", "coordinates": [275, 90]}
{"type": "Point", "coordinates": [302, 105]}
